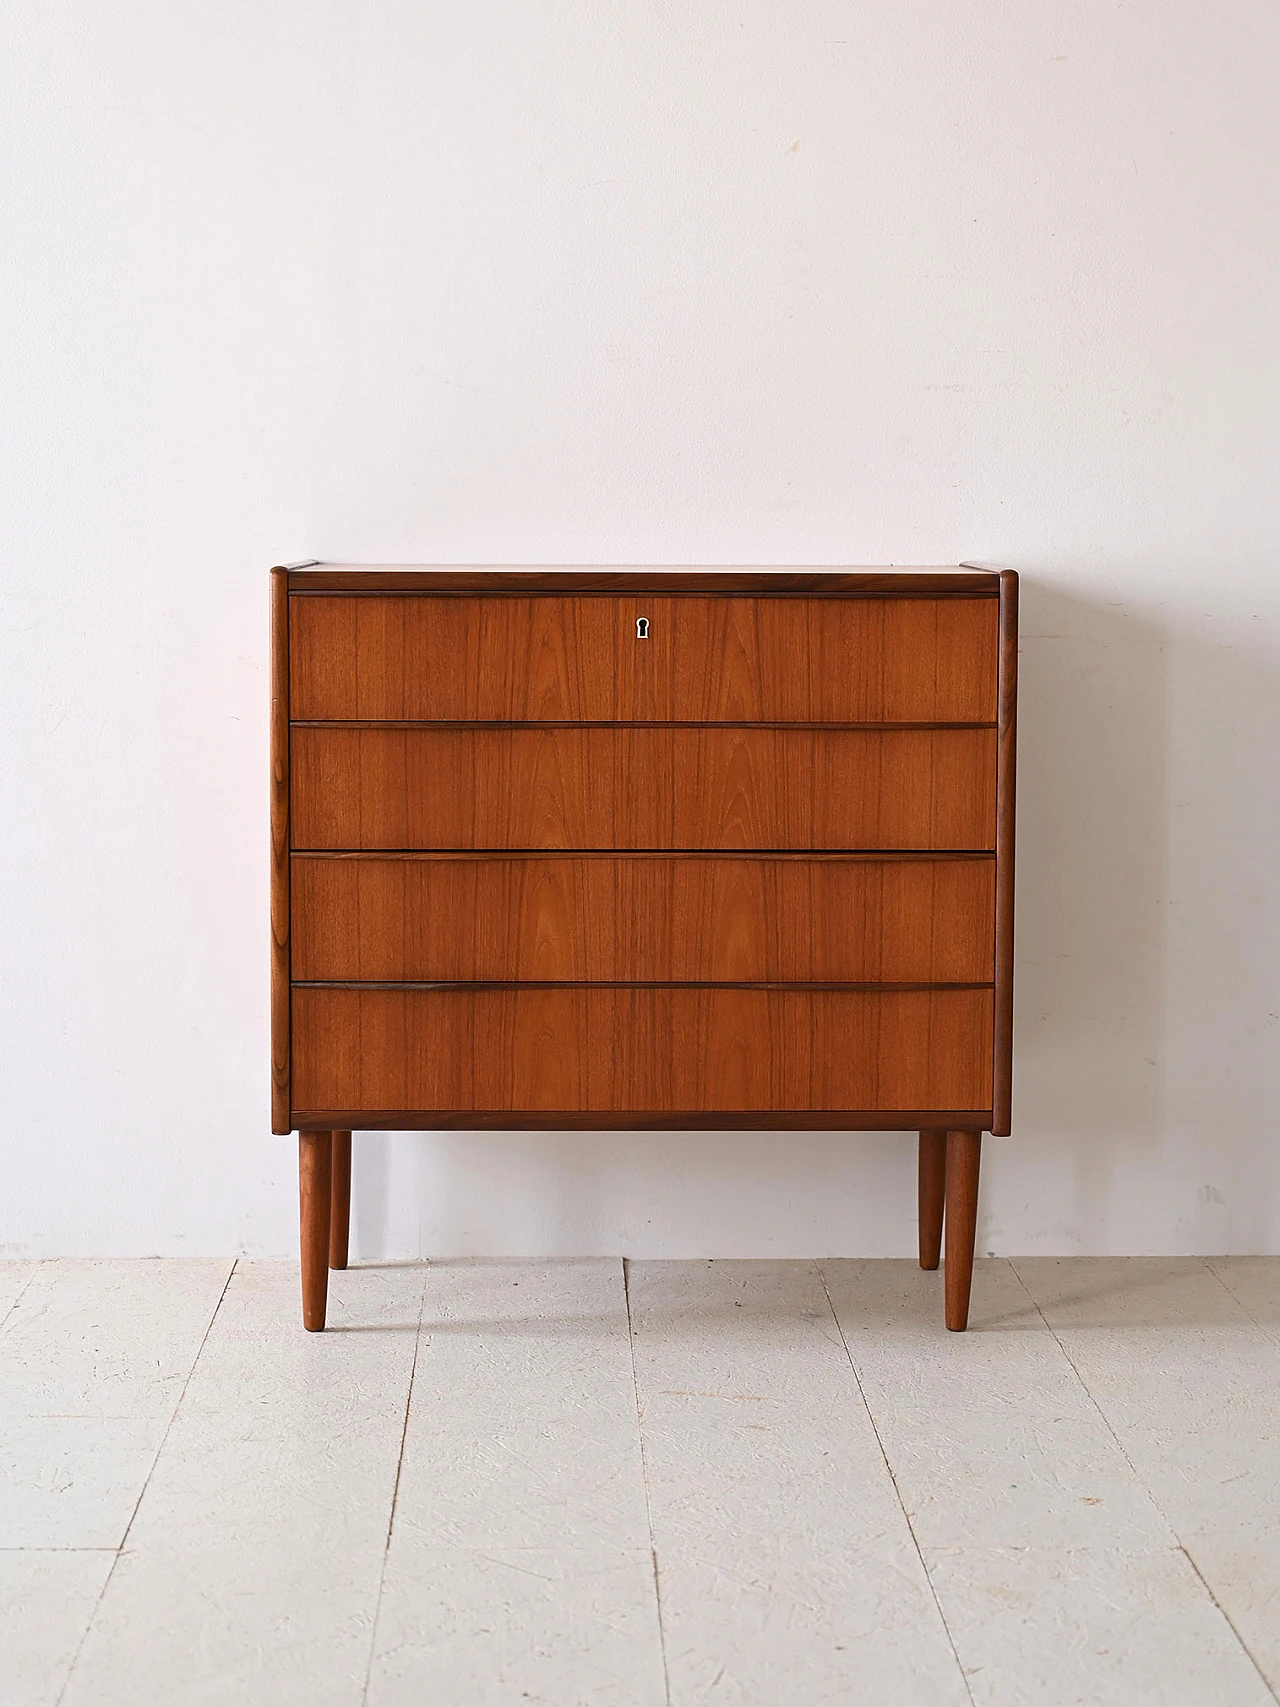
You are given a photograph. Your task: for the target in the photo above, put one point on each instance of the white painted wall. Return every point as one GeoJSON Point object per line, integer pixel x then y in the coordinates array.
{"type": "Point", "coordinates": [621, 282]}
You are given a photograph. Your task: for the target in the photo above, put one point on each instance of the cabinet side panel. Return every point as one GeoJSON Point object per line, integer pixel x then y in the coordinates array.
{"type": "Point", "coordinates": [1006, 776]}
{"type": "Point", "coordinates": [280, 1045]}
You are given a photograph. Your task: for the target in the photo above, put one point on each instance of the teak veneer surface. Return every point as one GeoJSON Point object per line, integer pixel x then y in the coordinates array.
{"type": "Point", "coordinates": [640, 787]}
{"type": "Point", "coordinates": [751, 867]}
{"type": "Point", "coordinates": [576, 659]}
{"type": "Point", "coordinates": [668, 1048]}
{"type": "Point", "coordinates": [640, 919]}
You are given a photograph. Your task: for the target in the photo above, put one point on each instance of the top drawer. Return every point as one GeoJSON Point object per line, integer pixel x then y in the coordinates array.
{"type": "Point", "coordinates": [579, 658]}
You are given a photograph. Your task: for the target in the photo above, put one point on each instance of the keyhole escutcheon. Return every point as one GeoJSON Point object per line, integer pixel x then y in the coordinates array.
{"type": "Point", "coordinates": [642, 628]}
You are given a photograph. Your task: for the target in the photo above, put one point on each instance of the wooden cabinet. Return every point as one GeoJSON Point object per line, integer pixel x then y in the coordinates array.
{"type": "Point", "coordinates": [679, 848]}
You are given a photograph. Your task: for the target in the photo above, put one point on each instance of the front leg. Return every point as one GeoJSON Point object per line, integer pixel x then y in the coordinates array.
{"type": "Point", "coordinates": [315, 1188]}
{"type": "Point", "coordinates": [933, 1185]}
{"type": "Point", "coordinates": [964, 1149]}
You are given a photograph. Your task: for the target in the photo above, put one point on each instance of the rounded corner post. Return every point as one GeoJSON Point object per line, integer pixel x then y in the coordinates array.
{"type": "Point", "coordinates": [281, 1047]}
{"type": "Point", "coordinates": [1006, 781]}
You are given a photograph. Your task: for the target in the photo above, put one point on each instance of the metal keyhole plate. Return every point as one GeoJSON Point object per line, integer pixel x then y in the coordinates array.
{"type": "Point", "coordinates": [642, 628]}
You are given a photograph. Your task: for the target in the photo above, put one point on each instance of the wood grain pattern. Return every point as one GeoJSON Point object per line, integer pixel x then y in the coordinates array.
{"type": "Point", "coordinates": [279, 756]}
{"type": "Point", "coordinates": [962, 581]}
{"type": "Point", "coordinates": [964, 1151]}
{"type": "Point", "coordinates": [315, 1161]}
{"type": "Point", "coordinates": [643, 788]}
{"type": "Point", "coordinates": [577, 659]}
{"type": "Point", "coordinates": [932, 1168]}
{"type": "Point", "coordinates": [655, 1049]}
{"type": "Point", "coordinates": [1006, 781]}
{"type": "Point", "coordinates": [646, 919]}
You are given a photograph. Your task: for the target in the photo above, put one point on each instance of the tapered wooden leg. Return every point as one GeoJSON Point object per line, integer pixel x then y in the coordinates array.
{"type": "Point", "coordinates": [933, 1186]}
{"type": "Point", "coordinates": [963, 1152]}
{"type": "Point", "coordinates": [340, 1211]}
{"type": "Point", "coordinates": [315, 1170]}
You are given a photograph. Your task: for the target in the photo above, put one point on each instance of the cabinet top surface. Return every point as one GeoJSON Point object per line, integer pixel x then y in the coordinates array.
{"type": "Point", "coordinates": [476, 578]}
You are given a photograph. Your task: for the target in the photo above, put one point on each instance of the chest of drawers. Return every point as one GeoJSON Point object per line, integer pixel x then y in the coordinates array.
{"type": "Point", "coordinates": [643, 848]}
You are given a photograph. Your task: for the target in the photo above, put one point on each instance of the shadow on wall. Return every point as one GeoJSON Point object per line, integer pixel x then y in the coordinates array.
{"type": "Point", "coordinates": [1091, 903]}
{"type": "Point", "coordinates": [1143, 1076]}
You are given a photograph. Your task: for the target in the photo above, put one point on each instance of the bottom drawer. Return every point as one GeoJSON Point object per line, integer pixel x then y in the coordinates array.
{"type": "Point", "coordinates": [658, 1050]}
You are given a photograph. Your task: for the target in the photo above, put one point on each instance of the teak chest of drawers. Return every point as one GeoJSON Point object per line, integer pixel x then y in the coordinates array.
{"type": "Point", "coordinates": [643, 848]}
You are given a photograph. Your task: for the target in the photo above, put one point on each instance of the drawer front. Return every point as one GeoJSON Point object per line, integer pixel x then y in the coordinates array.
{"type": "Point", "coordinates": [644, 919]}
{"type": "Point", "coordinates": [578, 659]}
{"type": "Point", "coordinates": [657, 1050]}
{"type": "Point", "coordinates": [643, 788]}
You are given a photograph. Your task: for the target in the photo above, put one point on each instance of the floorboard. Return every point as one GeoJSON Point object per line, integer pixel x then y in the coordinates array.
{"type": "Point", "coordinates": [696, 1484]}
{"type": "Point", "coordinates": [47, 1598]}
{"type": "Point", "coordinates": [252, 1570]}
{"type": "Point", "coordinates": [520, 1566]}
{"type": "Point", "coordinates": [1188, 1377]}
{"type": "Point", "coordinates": [785, 1564]}
{"type": "Point", "coordinates": [93, 1360]}
{"type": "Point", "coordinates": [1058, 1575]}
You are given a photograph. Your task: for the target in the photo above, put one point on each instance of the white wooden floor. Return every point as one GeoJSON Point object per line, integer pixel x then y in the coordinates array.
{"type": "Point", "coordinates": [729, 1482]}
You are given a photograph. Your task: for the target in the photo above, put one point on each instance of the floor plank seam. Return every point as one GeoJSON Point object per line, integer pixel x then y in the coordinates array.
{"type": "Point", "coordinates": [644, 1477]}
{"type": "Point", "coordinates": [1265, 1328]}
{"type": "Point", "coordinates": [897, 1491]}
{"type": "Point", "coordinates": [1178, 1543]}
{"type": "Point", "coordinates": [1068, 1569]}
{"type": "Point", "coordinates": [22, 1291]}
{"type": "Point", "coordinates": [395, 1491]}
{"type": "Point", "coordinates": [142, 1492]}
{"type": "Point", "coordinates": [1226, 1616]}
